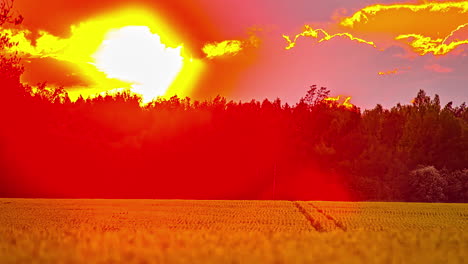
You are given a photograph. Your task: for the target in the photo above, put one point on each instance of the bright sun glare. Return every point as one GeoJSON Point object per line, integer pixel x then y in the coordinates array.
{"type": "Point", "coordinates": [125, 49]}
{"type": "Point", "coordinates": [133, 54]}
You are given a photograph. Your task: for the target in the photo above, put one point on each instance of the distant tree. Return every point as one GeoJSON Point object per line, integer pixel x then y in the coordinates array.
{"type": "Point", "coordinates": [219, 103]}
{"type": "Point", "coordinates": [7, 15]}
{"type": "Point", "coordinates": [392, 127]}
{"type": "Point", "coordinates": [457, 185]}
{"type": "Point", "coordinates": [10, 67]}
{"type": "Point", "coordinates": [426, 184]}
{"type": "Point", "coordinates": [315, 96]}
{"type": "Point", "coordinates": [50, 94]}
{"type": "Point", "coordinates": [421, 99]}
{"type": "Point", "coordinates": [419, 142]}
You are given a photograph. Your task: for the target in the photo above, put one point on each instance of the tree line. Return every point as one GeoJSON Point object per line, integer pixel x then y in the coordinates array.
{"type": "Point", "coordinates": [110, 146]}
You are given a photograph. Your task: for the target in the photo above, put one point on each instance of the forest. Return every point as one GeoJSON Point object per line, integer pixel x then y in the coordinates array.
{"type": "Point", "coordinates": [111, 146]}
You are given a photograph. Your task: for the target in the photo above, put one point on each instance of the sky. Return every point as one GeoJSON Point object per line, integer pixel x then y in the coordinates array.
{"type": "Point", "coordinates": [377, 52]}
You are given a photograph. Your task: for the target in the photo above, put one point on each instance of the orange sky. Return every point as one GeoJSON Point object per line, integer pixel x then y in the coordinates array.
{"type": "Point", "coordinates": [375, 51]}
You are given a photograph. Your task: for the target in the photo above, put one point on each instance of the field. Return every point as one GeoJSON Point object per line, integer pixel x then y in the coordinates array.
{"type": "Point", "coordinates": [182, 231]}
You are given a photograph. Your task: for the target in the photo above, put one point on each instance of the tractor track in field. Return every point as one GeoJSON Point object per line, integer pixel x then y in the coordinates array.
{"type": "Point", "coordinates": [316, 223]}
{"type": "Point", "coordinates": [313, 222]}
{"type": "Point", "coordinates": [329, 217]}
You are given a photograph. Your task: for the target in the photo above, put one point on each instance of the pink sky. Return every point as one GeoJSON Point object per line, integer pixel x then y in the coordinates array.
{"type": "Point", "coordinates": [267, 69]}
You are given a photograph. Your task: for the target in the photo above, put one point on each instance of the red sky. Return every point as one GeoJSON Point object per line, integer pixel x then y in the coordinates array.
{"type": "Point", "coordinates": [389, 53]}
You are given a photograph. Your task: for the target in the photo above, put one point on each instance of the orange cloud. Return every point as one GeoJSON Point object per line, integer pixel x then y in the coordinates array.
{"type": "Point", "coordinates": [229, 47]}
{"type": "Point", "coordinates": [332, 99]}
{"type": "Point", "coordinates": [394, 71]}
{"type": "Point", "coordinates": [436, 28]}
{"type": "Point", "coordinates": [322, 36]}
{"type": "Point", "coordinates": [347, 103]}
{"type": "Point", "coordinates": [336, 101]}
{"type": "Point", "coordinates": [440, 18]}
{"type": "Point", "coordinates": [438, 68]}
{"type": "Point", "coordinates": [429, 27]}
{"type": "Point", "coordinates": [423, 45]}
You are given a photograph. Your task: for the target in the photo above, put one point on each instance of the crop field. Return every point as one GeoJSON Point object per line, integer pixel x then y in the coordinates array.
{"type": "Point", "coordinates": [183, 231]}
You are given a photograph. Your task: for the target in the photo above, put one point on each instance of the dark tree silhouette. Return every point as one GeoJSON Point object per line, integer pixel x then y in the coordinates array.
{"type": "Point", "coordinates": [315, 96]}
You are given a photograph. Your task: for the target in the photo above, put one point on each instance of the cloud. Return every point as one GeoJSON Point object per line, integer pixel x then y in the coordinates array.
{"type": "Point", "coordinates": [440, 17]}
{"type": "Point", "coordinates": [321, 35]}
{"type": "Point", "coordinates": [61, 60]}
{"type": "Point", "coordinates": [394, 71]}
{"type": "Point", "coordinates": [437, 28]}
{"type": "Point", "coordinates": [78, 48]}
{"type": "Point", "coordinates": [340, 100]}
{"type": "Point", "coordinates": [438, 68]}
{"type": "Point", "coordinates": [389, 72]}
{"type": "Point", "coordinates": [427, 27]}
{"type": "Point", "coordinates": [423, 45]}
{"type": "Point", "coordinates": [227, 47]}
{"type": "Point", "coordinates": [230, 47]}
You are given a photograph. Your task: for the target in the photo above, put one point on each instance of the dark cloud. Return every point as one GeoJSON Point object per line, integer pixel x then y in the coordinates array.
{"type": "Point", "coordinates": [52, 71]}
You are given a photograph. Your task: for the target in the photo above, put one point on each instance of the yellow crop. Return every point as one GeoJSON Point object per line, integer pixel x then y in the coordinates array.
{"type": "Point", "coordinates": [181, 231]}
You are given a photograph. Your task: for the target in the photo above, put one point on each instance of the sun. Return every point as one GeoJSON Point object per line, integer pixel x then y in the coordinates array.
{"type": "Point", "coordinates": [135, 55]}
{"type": "Point", "coordinates": [126, 49]}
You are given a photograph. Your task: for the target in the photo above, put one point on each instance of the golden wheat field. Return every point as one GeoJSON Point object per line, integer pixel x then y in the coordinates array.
{"type": "Point", "coordinates": [182, 231]}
